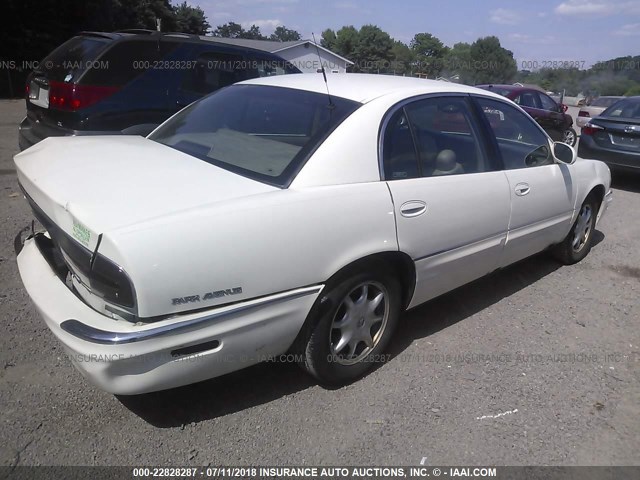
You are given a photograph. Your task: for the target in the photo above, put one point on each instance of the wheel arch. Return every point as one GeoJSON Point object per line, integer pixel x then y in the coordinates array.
{"type": "Point", "coordinates": [401, 265]}
{"type": "Point", "coordinates": [399, 262]}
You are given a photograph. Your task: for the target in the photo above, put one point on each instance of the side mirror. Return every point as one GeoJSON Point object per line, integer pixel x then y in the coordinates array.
{"type": "Point", "coordinates": [564, 153]}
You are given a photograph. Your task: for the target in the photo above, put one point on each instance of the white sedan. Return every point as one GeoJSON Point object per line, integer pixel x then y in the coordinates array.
{"type": "Point", "coordinates": [284, 215]}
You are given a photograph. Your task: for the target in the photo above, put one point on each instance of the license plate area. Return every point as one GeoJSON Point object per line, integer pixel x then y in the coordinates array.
{"type": "Point", "coordinates": [39, 94]}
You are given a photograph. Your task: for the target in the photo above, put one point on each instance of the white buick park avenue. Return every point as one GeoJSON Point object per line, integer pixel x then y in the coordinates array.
{"type": "Point", "coordinates": [289, 215]}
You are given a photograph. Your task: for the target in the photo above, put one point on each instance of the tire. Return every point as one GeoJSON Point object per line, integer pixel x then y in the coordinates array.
{"type": "Point", "coordinates": [347, 337]}
{"type": "Point", "coordinates": [577, 244]}
{"type": "Point", "coordinates": [570, 137]}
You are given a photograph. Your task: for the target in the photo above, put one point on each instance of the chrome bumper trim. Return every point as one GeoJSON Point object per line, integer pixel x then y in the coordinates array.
{"type": "Point", "coordinates": [103, 337]}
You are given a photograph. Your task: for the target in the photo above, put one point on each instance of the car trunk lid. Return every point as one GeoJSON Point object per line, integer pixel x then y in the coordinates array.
{"type": "Point", "coordinates": [92, 185]}
{"type": "Point", "coordinates": [618, 133]}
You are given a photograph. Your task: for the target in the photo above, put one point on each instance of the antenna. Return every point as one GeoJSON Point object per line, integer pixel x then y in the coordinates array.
{"type": "Point", "coordinates": [324, 75]}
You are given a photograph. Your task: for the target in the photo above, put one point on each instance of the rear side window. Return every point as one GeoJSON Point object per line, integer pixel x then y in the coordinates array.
{"type": "Point", "coordinates": [520, 141]}
{"type": "Point", "coordinates": [214, 70]}
{"type": "Point", "coordinates": [70, 60]}
{"type": "Point", "coordinates": [433, 137]}
{"type": "Point", "coordinates": [122, 63]}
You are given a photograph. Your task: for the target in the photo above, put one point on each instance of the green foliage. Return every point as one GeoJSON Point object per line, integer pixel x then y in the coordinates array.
{"type": "Point", "coordinates": [403, 59]}
{"type": "Point", "coordinates": [229, 30]}
{"type": "Point", "coordinates": [611, 77]}
{"type": "Point", "coordinates": [283, 34]}
{"type": "Point", "coordinates": [328, 39]}
{"type": "Point", "coordinates": [373, 50]}
{"type": "Point", "coordinates": [633, 91]}
{"type": "Point", "coordinates": [235, 30]}
{"type": "Point", "coordinates": [191, 19]}
{"type": "Point", "coordinates": [457, 61]}
{"type": "Point", "coordinates": [429, 54]}
{"type": "Point", "coordinates": [490, 62]}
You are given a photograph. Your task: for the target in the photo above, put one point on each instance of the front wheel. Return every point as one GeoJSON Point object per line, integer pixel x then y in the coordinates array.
{"type": "Point", "coordinates": [579, 241]}
{"type": "Point", "coordinates": [570, 137]}
{"type": "Point", "coordinates": [349, 336]}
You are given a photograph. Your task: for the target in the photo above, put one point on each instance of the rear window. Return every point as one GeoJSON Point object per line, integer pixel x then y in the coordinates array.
{"type": "Point", "coordinates": [67, 62]}
{"type": "Point", "coordinates": [126, 60]}
{"type": "Point", "coordinates": [604, 102]}
{"type": "Point", "coordinates": [262, 132]}
{"type": "Point", "coordinates": [627, 108]}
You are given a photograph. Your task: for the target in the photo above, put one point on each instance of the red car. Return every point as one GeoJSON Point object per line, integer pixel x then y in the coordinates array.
{"type": "Point", "coordinates": [550, 115]}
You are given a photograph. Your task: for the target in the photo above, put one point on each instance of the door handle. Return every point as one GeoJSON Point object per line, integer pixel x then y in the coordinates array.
{"type": "Point", "coordinates": [413, 208]}
{"type": "Point", "coordinates": [522, 189]}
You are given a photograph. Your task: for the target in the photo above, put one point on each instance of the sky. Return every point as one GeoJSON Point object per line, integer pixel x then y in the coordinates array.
{"type": "Point", "coordinates": [536, 31]}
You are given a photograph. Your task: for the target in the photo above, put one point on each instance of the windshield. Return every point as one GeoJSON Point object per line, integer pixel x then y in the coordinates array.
{"type": "Point", "coordinates": [264, 133]}
{"type": "Point", "coordinates": [627, 108]}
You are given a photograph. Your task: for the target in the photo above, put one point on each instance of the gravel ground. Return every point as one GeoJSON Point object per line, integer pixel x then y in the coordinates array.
{"type": "Point", "coordinates": [536, 364]}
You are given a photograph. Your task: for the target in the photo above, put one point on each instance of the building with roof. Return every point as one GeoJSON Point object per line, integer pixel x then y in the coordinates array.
{"type": "Point", "coordinates": [301, 53]}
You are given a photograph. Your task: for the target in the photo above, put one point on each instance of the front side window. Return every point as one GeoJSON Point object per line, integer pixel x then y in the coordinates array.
{"type": "Point", "coordinates": [264, 133]}
{"type": "Point", "coordinates": [520, 140]}
{"type": "Point", "coordinates": [433, 137]}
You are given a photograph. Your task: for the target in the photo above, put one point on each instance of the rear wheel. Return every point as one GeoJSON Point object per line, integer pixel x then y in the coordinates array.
{"type": "Point", "coordinates": [579, 241]}
{"type": "Point", "coordinates": [347, 339]}
{"type": "Point", "coordinates": [570, 137]}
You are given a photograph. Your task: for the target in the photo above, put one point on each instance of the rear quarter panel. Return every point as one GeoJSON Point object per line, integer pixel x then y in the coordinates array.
{"type": "Point", "coordinates": [264, 244]}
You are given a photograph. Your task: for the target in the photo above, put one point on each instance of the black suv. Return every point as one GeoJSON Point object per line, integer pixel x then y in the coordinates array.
{"type": "Point", "coordinates": [130, 81]}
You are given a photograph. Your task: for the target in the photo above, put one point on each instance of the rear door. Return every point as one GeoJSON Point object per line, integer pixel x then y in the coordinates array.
{"type": "Point", "coordinates": [541, 190]}
{"type": "Point", "coordinates": [451, 201]}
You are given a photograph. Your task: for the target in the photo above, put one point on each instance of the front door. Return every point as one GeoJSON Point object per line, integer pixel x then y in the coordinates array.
{"type": "Point", "coordinates": [541, 190]}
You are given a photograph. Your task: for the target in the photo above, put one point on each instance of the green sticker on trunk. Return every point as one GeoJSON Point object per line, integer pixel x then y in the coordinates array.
{"type": "Point", "coordinates": [81, 233]}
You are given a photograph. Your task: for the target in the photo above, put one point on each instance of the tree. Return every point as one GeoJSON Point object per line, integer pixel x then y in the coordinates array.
{"type": "Point", "coordinates": [283, 34]}
{"type": "Point", "coordinates": [373, 50]}
{"type": "Point", "coordinates": [429, 52]}
{"type": "Point", "coordinates": [457, 61]}
{"type": "Point", "coordinates": [403, 58]}
{"type": "Point", "coordinates": [346, 41]}
{"type": "Point", "coordinates": [229, 30]}
{"type": "Point", "coordinates": [490, 62]}
{"type": "Point", "coordinates": [191, 19]}
{"type": "Point", "coordinates": [253, 33]}
{"type": "Point", "coordinates": [328, 39]}
{"type": "Point", "coordinates": [633, 91]}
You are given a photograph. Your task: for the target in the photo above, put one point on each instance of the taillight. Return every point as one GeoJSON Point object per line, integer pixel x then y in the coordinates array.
{"type": "Point", "coordinates": [582, 113]}
{"type": "Point", "coordinates": [590, 129]}
{"type": "Point", "coordinates": [70, 96]}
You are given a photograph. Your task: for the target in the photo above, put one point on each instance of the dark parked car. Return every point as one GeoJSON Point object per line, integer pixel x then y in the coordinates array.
{"type": "Point", "coordinates": [545, 110]}
{"type": "Point", "coordinates": [614, 136]}
{"type": "Point", "coordinates": [132, 80]}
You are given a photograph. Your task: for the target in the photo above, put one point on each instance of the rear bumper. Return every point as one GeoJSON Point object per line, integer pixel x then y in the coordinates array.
{"type": "Point", "coordinates": [124, 358]}
{"type": "Point", "coordinates": [588, 148]}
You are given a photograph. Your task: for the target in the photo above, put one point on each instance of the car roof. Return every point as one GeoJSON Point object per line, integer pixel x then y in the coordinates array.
{"type": "Point", "coordinates": [362, 87]}
{"type": "Point", "coordinates": [509, 88]}
{"type": "Point", "coordinates": [138, 33]}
